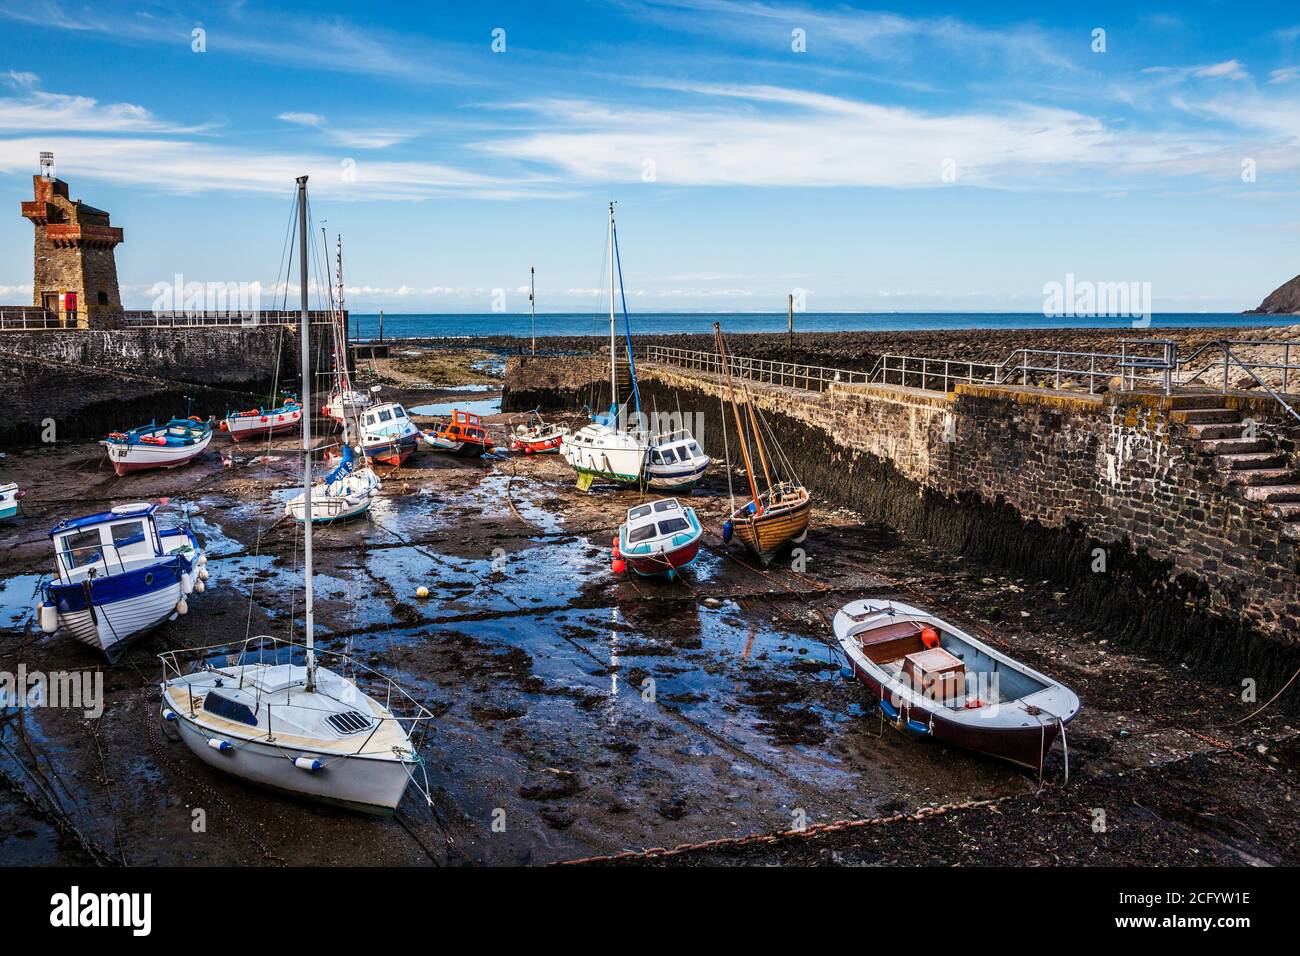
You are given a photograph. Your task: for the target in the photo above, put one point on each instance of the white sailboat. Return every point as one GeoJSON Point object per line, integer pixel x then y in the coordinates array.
{"type": "Point", "coordinates": [607, 450]}
{"type": "Point", "coordinates": [352, 485]}
{"type": "Point", "coordinates": [268, 712]}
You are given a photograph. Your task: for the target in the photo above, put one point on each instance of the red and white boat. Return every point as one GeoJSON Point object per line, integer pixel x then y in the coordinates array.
{"type": "Point", "coordinates": [260, 422]}
{"type": "Point", "coordinates": [658, 539]}
{"type": "Point", "coordinates": [158, 446]}
{"type": "Point", "coordinates": [536, 437]}
{"type": "Point", "coordinates": [934, 680]}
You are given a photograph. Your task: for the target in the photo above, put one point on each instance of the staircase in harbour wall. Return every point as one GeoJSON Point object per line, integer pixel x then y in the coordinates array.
{"type": "Point", "coordinates": [1253, 467]}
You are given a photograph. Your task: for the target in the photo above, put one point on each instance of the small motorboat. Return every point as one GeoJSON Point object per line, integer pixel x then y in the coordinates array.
{"type": "Point", "coordinates": [346, 492]}
{"type": "Point", "coordinates": [158, 446]}
{"type": "Point", "coordinates": [676, 462]}
{"type": "Point", "coordinates": [388, 435]}
{"type": "Point", "coordinates": [10, 495]}
{"type": "Point", "coordinates": [260, 422]}
{"type": "Point", "coordinates": [463, 435]}
{"type": "Point", "coordinates": [536, 437]}
{"type": "Point", "coordinates": [347, 404]}
{"type": "Point", "coordinates": [119, 574]}
{"type": "Point", "coordinates": [933, 679]}
{"type": "Point", "coordinates": [658, 539]}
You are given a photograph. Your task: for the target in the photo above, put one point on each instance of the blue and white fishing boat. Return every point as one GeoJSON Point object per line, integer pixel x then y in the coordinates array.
{"type": "Point", "coordinates": [9, 495]}
{"type": "Point", "coordinates": [119, 573]}
{"type": "Point", "coordinates": [676, 462]}
{"type": "Point", "coordinates": [388, 434]}
{"type": "Point", "coordinates": [158, 446]}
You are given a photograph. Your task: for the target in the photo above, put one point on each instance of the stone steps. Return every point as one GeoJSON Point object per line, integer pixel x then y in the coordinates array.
{"type": "Point", "coordinates": [1254, 477]}
{"type": "Point", "coordinates": [1272, 494]}
{"type": "Point", "coordinates": [1234, 446]}
{"type": "Point", "coordinates": [1216, 432]}
{"type": "Point", "coordinates": [1206, 400]}
{"type": "Point", "coordinates": [1205, 416]}
{"type": "Point", "coordinates": [1285, 511]}
{"type": "Point", "coordinates": [1252, 461]}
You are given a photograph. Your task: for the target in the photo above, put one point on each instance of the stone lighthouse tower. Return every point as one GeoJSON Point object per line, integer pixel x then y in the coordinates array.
{"type": "Point", "coordinates": [76, 273]}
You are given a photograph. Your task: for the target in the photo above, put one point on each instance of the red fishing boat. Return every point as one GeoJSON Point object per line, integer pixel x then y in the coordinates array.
{"type": "Point", "coordinates": [463, 435]}
{"type": "Point", "coordinates": [536, 437]}
{"type": "Point", "coordinates": [658, 539]}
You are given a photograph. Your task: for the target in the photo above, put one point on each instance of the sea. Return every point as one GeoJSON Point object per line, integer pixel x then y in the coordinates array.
{"type": "Point", "coordinates": [479, 325]}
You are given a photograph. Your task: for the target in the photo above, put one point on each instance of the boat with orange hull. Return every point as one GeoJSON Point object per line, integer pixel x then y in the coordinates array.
{"type": "Point", "coordinates": [260, 422]}
{"type": "Point", "coordinates": [463, 435]}
{"type": "Point", "coordinates": [777, 517]}
{"type": "Point", "coordinates": [932, 679]}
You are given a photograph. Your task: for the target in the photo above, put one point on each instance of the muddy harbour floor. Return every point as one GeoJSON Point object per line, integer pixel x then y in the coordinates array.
{"type": "Point", "coordinates": [536, 660]}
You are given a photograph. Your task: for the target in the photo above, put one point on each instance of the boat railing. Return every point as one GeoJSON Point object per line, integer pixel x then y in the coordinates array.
{"type": "Point", "coordinates": [404, 708]}
{"type": "Point", "coordinates": [66, 568]}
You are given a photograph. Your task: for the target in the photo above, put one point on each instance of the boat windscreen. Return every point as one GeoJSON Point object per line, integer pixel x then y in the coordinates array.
{"type": "Point", "coordinates": [215, 703]}
{"type": "Point", "coordinates": [670, 505]}
{"type": "Point", "coordinates": [643, 533]}
{"type": "Point", "coordinates": [673, 525]}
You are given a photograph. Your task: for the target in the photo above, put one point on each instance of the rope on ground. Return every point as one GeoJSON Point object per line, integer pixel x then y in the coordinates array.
{"type": "Point", "coordinates": [767, 839]}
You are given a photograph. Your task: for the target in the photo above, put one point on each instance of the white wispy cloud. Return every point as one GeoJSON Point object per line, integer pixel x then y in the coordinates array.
{"type": "Point", "coordinates": [770, 136]}
{"type": "Point", "coordinates": [40, 110]}
{"type": "Point", "coordinates": [354, 138]}
{"type": "Point", "coordinates": [21, 80]}
{"type": "Point", "coordinates": [1227, 70]}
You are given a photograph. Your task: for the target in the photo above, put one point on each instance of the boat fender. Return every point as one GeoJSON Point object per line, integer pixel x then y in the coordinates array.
{"type": "Point", "coordinates": [117, 436]}
{"type": "Point", "coordinates": [973, 704]}
{"type": "Point", "coordinates": [200, 587]}
{"type": "Point", "coordinates": [216, 743]}
{"type": "Point", "coordinates": [204, 574]}
{"type": "Point", "coordinates": [888, 709]}
{"type": "Point", "coordinates": [224, 426]}
{"type": "Point", "coordinates": [930, 637]}
{"type": "Point", "coordinates": [187, 584]}
{"type": "Point", "coordinates": [422, 592]}
{"type": "Point", "coordinates": [918, 728]}
{"type": "Point", "coordinates": [751, 508]}
{"type": "Point", "coordinates": [307, 763]}
{"type": "Point", "coordinates": [48, 615]}
{"type": "Point", "coordinates": [182, 607]}
{"type": "Point", "coordinates": [201, 560]}
{"type": "Point", "coordinates": [618, 566]}
{"type": "Point", "coordinates": [169, 714]}
{"type": "Point", "coordinates": [728, 529]}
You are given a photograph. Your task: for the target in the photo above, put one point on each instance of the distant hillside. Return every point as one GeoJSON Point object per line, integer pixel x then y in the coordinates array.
{"type": "Point", "coordinates": [1281, 301]}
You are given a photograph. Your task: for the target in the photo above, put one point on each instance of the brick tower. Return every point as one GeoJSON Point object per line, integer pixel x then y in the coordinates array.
{"type": "Point", "coordinates": [76, 274]}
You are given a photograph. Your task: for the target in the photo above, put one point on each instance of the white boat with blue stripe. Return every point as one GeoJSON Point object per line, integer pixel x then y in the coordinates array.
{"type": "Point", "coordinates": [9, 495]}
{"type": "Point", "coordinates": [119, 573]}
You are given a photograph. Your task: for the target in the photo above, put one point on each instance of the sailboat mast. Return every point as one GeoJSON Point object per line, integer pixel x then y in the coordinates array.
{"type": "Point", "coordinates": [304, 334]}
{"type": "Point", "coordinates": [735, 410]}
{"type": "Point", "coordinates": [532, 301]}
{"type": "Point", "coordinates": [613, 368]}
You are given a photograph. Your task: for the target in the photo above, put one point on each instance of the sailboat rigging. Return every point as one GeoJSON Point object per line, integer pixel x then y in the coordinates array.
{"type": "Point", "coordinates": [778, 516]}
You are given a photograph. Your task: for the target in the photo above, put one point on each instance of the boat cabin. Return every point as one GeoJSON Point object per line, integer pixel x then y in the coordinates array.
{"type": "Point", "coordinates": [679, 447]}
{"type": "Point", "coordinates": [388, 414]}
{"type": "Point", "coordinates": [112, 542]}
{"type": "Point", "coordinates": [464, 426]}
{"type": "Point", "coordinates": [657, 520]}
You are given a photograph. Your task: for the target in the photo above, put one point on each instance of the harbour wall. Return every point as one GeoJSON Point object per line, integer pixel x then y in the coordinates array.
{"type": "Point", "coordinates": [1108, 496]}
{"type": "Point", "coordinates": [90, 382]}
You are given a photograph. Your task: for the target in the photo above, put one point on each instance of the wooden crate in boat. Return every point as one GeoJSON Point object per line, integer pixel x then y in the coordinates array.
{"type": "Point", "coordinates": [935, 673]}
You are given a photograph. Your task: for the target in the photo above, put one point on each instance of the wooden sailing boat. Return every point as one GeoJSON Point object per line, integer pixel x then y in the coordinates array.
{"type": "Point", "coordinates": [773, 518]}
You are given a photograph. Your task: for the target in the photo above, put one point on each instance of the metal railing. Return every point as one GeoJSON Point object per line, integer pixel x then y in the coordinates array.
{"type": "Point", "coordinates": [912, 371]}
{"type": "Point", "coordinates": [1150, 362]}
{"type": "Point", "coordinates": [31, 319]}
{"type": "Point", "coordinates": [813, 378]}
{"type": "Point", "coordinates": [21, 319]}
{"type": "Point", "coordinates": [1235, 354]}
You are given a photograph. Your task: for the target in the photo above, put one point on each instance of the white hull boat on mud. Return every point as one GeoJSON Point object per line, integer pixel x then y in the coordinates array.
{"type": "Point", "coordinates": [9, 497]}
{"type": "Point", "coordinates": [347, 492]}
{"type": "Point", "coordinates": [272, 715]}
{"type": "Point", "coordinates": [675, 462]}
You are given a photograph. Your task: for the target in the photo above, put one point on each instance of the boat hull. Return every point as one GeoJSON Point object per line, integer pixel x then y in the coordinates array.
{"type": "Point", "coordinates": [369, 784]}
{"type": "Point", "coordinates": [543, 446]}
{"type": "Point", "coordinates": [679, 478]}
{"type": "Point", "coordinates": [113, 619]}
{"type": "Point", "coordinates": [769, 533]}
{"type": "Point", "coordinates": [1023, 746]}
{"type": "Point", "coordinates": [395, 452]}
{"type": "Point", "coordinates": [128, 458]}
{"type": "Point", "coordinates": [244, 428]}
{"type": "Point", "coordinates": [465, 449]}
{"type": "Point", "coordinates": [665, 564]}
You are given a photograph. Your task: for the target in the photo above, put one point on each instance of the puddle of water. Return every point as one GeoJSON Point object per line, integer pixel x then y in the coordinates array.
{"type": "Point", "coordinates": [496, 367]}
{"type": "Point", "coordinates": [484, 406]}
{"type": "Point", "coordinates": [18, 599]}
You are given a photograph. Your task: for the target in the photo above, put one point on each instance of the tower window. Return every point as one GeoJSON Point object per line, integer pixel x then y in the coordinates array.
{"type": "Point", "coordinates": [103, 298]}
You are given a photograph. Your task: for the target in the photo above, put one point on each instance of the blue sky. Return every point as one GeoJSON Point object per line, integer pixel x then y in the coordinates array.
{"type": "Point", "coordinates": [918, 156]}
